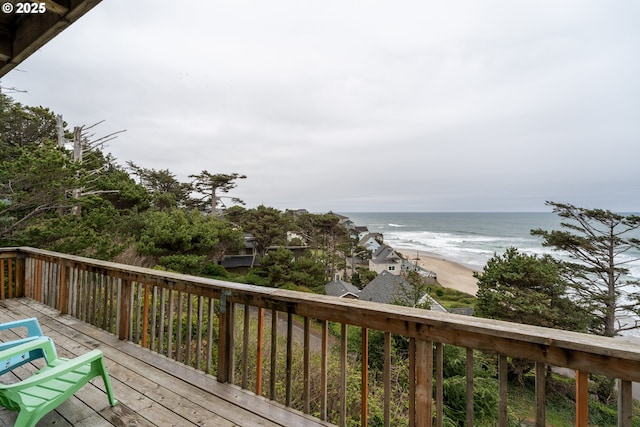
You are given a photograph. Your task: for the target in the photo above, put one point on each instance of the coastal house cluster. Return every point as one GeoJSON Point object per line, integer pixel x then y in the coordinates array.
{"type": "Point", "coordinates": [374, 255]}
{"type": "Point", "coordinates": [390, 284]}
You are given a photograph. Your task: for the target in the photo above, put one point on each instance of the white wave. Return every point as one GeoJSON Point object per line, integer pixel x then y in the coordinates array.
{"type": "Point", "coordinates": [396, 225]}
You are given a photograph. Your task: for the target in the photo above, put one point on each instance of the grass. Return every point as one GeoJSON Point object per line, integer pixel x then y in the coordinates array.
{"type": "Point", "coordinates": [451, 298]}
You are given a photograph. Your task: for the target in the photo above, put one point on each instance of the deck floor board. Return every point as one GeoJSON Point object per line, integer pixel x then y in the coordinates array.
{"type": "Point", "coordinates": [152, 389]}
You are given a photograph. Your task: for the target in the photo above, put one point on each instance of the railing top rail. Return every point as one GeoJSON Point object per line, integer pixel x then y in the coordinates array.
{"type": "Point", "coordinates": [611, 356]}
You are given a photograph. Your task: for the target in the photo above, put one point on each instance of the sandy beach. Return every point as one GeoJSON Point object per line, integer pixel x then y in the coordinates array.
{"type": "Point", "coordinates": [450, 274]}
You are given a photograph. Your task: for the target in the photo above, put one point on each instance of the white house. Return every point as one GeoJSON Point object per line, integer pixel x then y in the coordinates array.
{"type": "Point", "coordinates": [385, 259]}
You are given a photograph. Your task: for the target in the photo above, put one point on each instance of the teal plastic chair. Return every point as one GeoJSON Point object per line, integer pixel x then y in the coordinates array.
{"type": "Point", "coordinates": [33, 332]}
{"type": "Point", "coordinates": [45, 390]}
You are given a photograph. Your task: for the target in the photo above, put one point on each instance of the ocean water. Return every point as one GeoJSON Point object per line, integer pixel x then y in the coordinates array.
{"type": "Point", "coordinates": [469, 238]}
{"type": "Point", "coordinates": [472, 238]}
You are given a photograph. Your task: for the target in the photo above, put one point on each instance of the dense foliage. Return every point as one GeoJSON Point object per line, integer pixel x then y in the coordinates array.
{"type": "Point", "coordinates": [523, 288]}
{"type": "Point", "coordinates": [95, 207]}
{"type": "Point", "coordinates": [600, 243]}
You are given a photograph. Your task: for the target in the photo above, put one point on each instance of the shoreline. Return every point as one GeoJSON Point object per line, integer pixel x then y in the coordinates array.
{"type": "Point", "coordinates": [450, 274]}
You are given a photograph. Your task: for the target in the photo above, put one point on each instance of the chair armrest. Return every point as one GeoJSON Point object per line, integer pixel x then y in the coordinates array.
{"type": "Point", "coordinates": [64, 366]}
{"type": "Point", "coordinates": [13, 343]}
{"type": "Point", "coordinates": [32, 325]}
{"type": "Point", "coordinates": [43, 344]}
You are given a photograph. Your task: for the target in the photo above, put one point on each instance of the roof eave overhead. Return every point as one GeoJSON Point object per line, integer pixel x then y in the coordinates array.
{"type": "Point", "coordinates": [23, 34]}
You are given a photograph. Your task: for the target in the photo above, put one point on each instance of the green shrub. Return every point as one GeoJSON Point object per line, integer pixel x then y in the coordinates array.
{"type": "Point", "coordinates": [187, 264]}
{"type": "Point", "coordinates": [214, 270]}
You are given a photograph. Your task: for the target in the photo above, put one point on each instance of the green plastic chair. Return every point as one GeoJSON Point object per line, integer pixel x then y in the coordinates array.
{"type": "Point", "coordinates": [33, 332]}
{"type": "Point", "coordinates": [45, 390]}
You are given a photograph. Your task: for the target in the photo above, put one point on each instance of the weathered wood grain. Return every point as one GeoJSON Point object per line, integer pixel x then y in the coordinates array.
{"type": "Point", "coordinates": [152, 390]}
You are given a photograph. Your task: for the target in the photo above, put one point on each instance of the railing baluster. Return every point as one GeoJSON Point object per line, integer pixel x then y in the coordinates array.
{"type": "Point", "coordinates": [10, 264]}
{"type": "Point", "coordinates": [88, 280]}
{"type": "Point", "coordinates": [20, 275]}
{"type": "Point", "coordinates": [104, 295]}
{"type": "Point", "coordinates": [82, 293]}
{"type": "Point", "coordinates": [625, 403]}
{"type": "Point", "coordinates": [73, 290]}
{"type": "Point", "coordinates": [53, 284]}
{"type": "Point", "coordinates": [154, 318]}
{"type": "Point", "coordinates": [541, 382]}
{"type": "Point", "coordinates": [170, 324]}
{"type": "Point", "coordinates": [582, 398]}
{"type": "Point", "coordinates": [113, 298]}
{"type": "Point", "coordinates": [469, 375]}
{"type": "Point", "coordinates": [199, 334]}
{"type": "Point", "coordinates": [323, 370]}
{"type": "Point", "coordinates": [439, 361]}
{"type": "Point", "coordinates": [44, 283]}
{"type": "Point", "coordinates": [502, 390]}
{"type": "Point", "coordinates": [412, 382]}
{"type": "Point", "coordinates": [386, 378]}
{"type": "Point", "coordinates": [245, 347]}
{"type": "Point", "coordinates": [343, 374]}
{"type": "Point", "coordinates": [82, 297]}
{"type": "Point", "coordinates": [259, 351]}
{"type": "Point", "coordinates": [161, 320]}
{"type": "Point", "coordinates": [124, 309]}
{"type": "Point", "coordinates": [424, 382]}
{"type": "Point", "coordinates": [2, 280]}
{"type": "Point", "coordinates": [94, 304]}
{"type": "Point", "coordinates": [50, 285]}
{"type": "Point", "coordinates": [188, 328]}
{"type": "Point", "coordinates": [180, 313]}
{"type": "Point", "coordinates": [289, 362]}
{"type": "Point", "coordinates": [138, 306]}
{"type": "Point", "coordinates": [226, 341]}
{"type": "Point", "coordinates": [37, 281]}
{"type": "Point", "coordinates": [63, 303]}
{"type": "Point", "coordinates": [210, 335]}
{"type": "Point", "coordinates": [274, 354]}
{"type": "Point", "coordinates": [29, 277]}
{"type": "Point", "coordinates": [144, 324]}
{"type": "Point", "coordinates": [364, 380]}
{"type": "Point", "coordinates": [306, 384]}
{"type": "Point", "coordinates": [232, 343]}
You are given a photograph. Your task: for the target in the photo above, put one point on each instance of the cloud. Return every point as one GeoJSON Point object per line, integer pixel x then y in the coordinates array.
{"type": "Point", "coordinates": [364, 107]}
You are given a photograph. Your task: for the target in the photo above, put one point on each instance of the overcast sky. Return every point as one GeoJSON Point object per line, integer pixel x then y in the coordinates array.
{"type": "Point", "coordinates": [358, 106]}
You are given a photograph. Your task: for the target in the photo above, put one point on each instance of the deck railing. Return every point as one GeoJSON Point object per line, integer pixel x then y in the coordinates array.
{"type": "Point", "coordinates": [260, 337]}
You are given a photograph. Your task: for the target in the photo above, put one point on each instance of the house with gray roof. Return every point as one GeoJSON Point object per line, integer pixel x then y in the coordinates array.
{"type": "Point", "coordinates": [341, 289]}
{"type": "Point", "coordinates": [386, 259]}
{"type": "Point", "coordinates": [387, 288]}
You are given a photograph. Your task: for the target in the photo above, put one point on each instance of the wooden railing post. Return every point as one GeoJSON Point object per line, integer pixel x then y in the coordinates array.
{"type": "Point", "coordinates": [502, 391]}
{"type": "Point", "coordinates": [424, 382]}
{"type": "Point", "coordinates": [541, 388]}
{"type": "Point", "coordinates": [470, 377]}
{"type": "Point", "coordinates": [439, 370]}
{"type": "Point", "coordinates": [582, 399]}
{"type": "Point", "coordinates": [124, 309]}
{"type": "Point", "coordinates": [625, 404]}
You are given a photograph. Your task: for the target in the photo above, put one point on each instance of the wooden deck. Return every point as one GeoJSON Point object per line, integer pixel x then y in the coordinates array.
{"type": "Point", "coordinates": [152, 390]}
